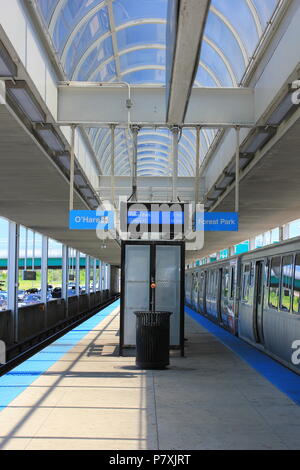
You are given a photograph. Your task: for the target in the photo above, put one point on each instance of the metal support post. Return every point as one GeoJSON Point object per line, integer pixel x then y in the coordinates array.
{"type": "Point", "coordinates": [26, 249]}
{"type": "Point", "coordinates": [112, 163]}
{"type": "Point", "coordinates": [72, 168]}
{"type": "Point", "coordinates": [44, 276]}
{"type": "Point", "coordinates": [94, 274]}
{"type": "Point", "coordinates": [135, 131]}
{"type": "Point", "coordinates": [65, 275]}
{"type": "Point", "coordinates": [197, 167]}
{"type": "Point", "coordinates": [87, 275]}
{"type": "Point", "coordinates": [237, 170]}
{"type": "Point", "coordinates": [252, 243]}
{"type": "Point", "coordinates": [109, 278]}
{"type": "Point", "coordinates": [100, 276]}
{"type": "Point", "coordinates": [286, 232]}
{"type": "Point", "coordinates": [281, 234]}
{"type": "Point", "coordinates": [175, 132]}
{"type": "Point", "coordinates": [13, 276]}
{"type": "Point", "coordinates": [103, 275]}
{"type": "Point", "coordinates": [77, 277]}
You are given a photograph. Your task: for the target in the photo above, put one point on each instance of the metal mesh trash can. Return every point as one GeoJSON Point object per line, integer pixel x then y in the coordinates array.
{"type": "Point", "coordinates": [152, 339]}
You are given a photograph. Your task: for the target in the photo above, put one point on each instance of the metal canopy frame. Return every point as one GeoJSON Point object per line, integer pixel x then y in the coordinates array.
{"type": "Point", "coordinates": [90, 44]}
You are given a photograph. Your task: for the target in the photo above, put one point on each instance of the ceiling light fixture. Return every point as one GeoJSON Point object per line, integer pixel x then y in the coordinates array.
{"type": "Point", "coordinates": [20, 92]}
{"type": "Point", "coordinates": [283, 110]}
{"type": "Point", "coordinates": [258, 139]}
{"type": "Point", "coordinates": [48, 134]}
{"type": "Point", "coordinates": [7, 66]}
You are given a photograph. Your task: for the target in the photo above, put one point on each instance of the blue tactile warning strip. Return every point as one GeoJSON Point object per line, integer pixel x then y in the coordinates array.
{"type": "Point", "coordinates": [283, 378]}
{"type": "Point", "coordinates": [17, 380]}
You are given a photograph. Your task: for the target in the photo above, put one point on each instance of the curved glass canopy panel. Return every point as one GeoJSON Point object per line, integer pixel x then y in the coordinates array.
{"type": "Point", "coordinates": [125, 40]}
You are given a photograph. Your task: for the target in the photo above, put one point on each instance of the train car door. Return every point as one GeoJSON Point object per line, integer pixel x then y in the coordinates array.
{"type": "Point", "coordinates": [258, 303]}
{"type": "Point", "coordinates": [201, 292]}
{"type": "Point", "coordinates": [195, 288]}
{"type": "Point", "coordinates": [204, 292]}
{"type": "Point", "coordinates": [219, 294]}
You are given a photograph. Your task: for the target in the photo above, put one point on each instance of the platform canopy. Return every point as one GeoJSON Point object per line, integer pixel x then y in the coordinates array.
{"type": "Point", "coordinates": [126, 40]}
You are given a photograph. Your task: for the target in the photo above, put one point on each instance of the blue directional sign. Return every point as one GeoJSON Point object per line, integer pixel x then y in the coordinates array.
{"type": "Point", "coordinates": [217, 221]}
{"type": "Point", "coordinates": [155, 217]}
{"type": "Point", "coordinates": [91, 220]}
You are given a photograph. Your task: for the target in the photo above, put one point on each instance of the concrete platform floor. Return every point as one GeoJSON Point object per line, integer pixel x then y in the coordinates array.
{"type": "Point", "coordinates": [94, 399]}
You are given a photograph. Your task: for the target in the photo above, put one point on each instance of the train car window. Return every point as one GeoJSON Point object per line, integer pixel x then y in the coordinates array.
{"type": "Point", "coordinates": [296, 294]}
{"type": "Point", "coordinates": [225, 283]}
{"type": "Point", "coordinates": [201, 287]}
{"type": "Point", "coordinates": [208, 283]}
{"type": "Point", "coordinates": [212, 284]}
{"type": "Point", "coordinates": [246, 282]}
{"type": "Point", "coordinates": [232, 283]}
{"type": "Point", "coordinates": [216, 283]}
{"type": "Point", "coordinates": [274, 282]}
{"type": "Point", "coordinates": [286, 284]}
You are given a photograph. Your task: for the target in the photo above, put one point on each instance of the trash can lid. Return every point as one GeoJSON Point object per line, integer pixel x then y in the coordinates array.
{"type": "Point", "coordinates": [147, 312]}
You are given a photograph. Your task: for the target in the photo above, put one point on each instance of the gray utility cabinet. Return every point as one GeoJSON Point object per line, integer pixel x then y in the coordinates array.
{"type": "Point", "coordinates": [142, 264]}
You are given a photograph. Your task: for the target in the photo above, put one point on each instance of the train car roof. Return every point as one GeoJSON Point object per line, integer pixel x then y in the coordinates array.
{"type": "Point", "coordinates": [292, 244]}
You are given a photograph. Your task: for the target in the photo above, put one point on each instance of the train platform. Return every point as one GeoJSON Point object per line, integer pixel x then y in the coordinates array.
{"type": "Point", "coordinates": [79, 394]}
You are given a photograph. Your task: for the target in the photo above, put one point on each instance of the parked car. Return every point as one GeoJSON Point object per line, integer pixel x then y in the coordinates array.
{"type": "Point", "coordinates": [31, 299]}
{"type": "Point", "coordinates": [3, 300]}
{"type": "Point", "coordinates": [56, 293]}
{"type": "Point", "coordinates": [21, 295]}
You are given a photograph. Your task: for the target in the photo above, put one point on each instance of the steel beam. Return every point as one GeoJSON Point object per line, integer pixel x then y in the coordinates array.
{"type": "Point", "coordinates": [92, 105]}
{"type": "Point", "coordinates": [186, 22]}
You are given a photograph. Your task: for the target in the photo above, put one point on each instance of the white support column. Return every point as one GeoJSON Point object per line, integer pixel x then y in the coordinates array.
{"type": "Point", "coordinates": [100, 276]}
{"type": "Point", "coordinates": [13, 275]}
{"type": "Point", "coordinates": [237, 170]}
{"type": "Point", "coordinates": [87, 274]}
{"type": "Point", "coordinates": [26, 248]}
{"type": "Point", "coordinates": [77, 277]}
{"type": "Point", "coordinates": [109, 278]}
{"type": "Point", "coordinates": [105, 276]}
{"type": "Point", "coordinates": [252, 244]}
{"type": "Point", "coordinates": [286, 231]}
{"type": "Point", "coordinates": [197, 164]}
{"type": "Point", "coordinates": [94, 274]}
{"type": "Point", "coordinates": [65, 275]}
{"type": "Point", "coordinates": [44, 275]}
{"type": "Point", "coordinates": [175, 132]}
